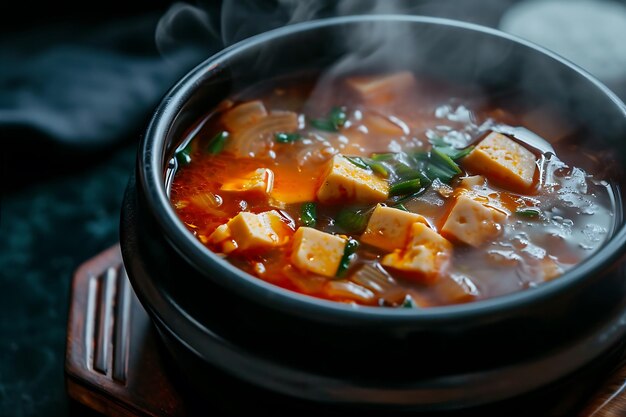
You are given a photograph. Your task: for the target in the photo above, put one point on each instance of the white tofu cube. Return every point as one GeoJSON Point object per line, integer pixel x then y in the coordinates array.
{"type": "Point", "coordinates": [389, 228]}
{"type": "Point", "coordinates": [259, 182]}
{"type": "Point", "coordinates": [424, 258]}
{"type": "Point", "coordinates": [317, 252]}
{"type": "Point", "coordinates": [504, 161]}
{"type": "Point", "coordinates": [251, 232]}
{"type": "Point", "coordinates": [472, 221]}
{"type": "Point", "coordinates": [345, 182]}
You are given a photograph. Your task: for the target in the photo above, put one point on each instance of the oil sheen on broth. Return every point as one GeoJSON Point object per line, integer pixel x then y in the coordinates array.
{"type": "Point", "coordinates": [389, 190]}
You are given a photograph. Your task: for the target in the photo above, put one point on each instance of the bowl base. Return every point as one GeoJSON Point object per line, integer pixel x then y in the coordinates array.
{"type": "Point", "coordinates": [116, 365]}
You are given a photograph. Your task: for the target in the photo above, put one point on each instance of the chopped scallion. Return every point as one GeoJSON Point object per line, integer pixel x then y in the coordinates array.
{"type": "Point", "coordinates": [383, 156]}
{"type": "Point", "coordinates": [351, 221]}
{"type": "Point", "coordinates": [217, 143]}
{"type": "Point", "coordinates": [529, 212]}
{"type": "Point", "coordinates": [282, 137]}
{"type": "Point", "coordinates": [357, 161]}
{"type": "Point", "coordinates": [401, 206]}
{"type": "Point", "coordinates": [378, 168]}
{"type": "Point", "coordinates": [348, 253]}
{"type": "Point", "coordinates": [184, 155]}
{"type": "Point", "coordinates": [440, 158]}
{"type": "Point", "coordinates": [323, 124]}
{"type": "Point", "coordinates": [408, 302]}
{"type": "Point", "coordinates": [405, 187]}
{"type": "Point", "coordinates": [336, 118]}
{"type": "Point", "coordinates": [454, 153]}
{"type": "Point", "coordinates": [308, 214]}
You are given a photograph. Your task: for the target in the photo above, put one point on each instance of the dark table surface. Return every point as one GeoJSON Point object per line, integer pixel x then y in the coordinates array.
{"type": "Point", "coordinates": [59, 208]}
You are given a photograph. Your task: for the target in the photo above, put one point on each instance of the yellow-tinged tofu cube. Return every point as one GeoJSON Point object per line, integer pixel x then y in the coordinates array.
{"type": "Point", "coordinates": [259, 181]}
{"type": "Point", "coordinates": [424, 258]}
{"type": "Point", "coordinates": [249, 231]}
{"type": "Point", "coordinates": [343, 181]}
{"type": "Point", "coordinates": [317, 252]}
{"type": "Point", "coordinates": [472, 221]}
{"type": "Point", "coordinates": [389, 228]}
{"type": "Point", "coordinates": [504, 161]}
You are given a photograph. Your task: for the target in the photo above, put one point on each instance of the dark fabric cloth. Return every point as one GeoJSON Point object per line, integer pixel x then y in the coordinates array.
{"type": "Point", "coordinates": [85, 85]}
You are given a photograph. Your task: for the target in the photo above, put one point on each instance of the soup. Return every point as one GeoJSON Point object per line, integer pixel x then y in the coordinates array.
{"type": "Point", "coordinates": [390, 190]}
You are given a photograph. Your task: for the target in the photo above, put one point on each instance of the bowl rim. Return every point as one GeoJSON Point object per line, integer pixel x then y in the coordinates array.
{"type": "Point", "coordinates": [150, 173]}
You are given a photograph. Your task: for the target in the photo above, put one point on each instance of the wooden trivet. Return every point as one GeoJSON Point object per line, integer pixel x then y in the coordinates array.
{"type": "Point", "coordinates": [115, 364]}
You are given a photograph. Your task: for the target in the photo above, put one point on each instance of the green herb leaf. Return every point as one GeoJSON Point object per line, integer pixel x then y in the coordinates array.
{"type": "Point", "coordinates": [405, 187]}
{"type": "Point", "coordinates": [282, 137]}
{"type": "Point", "coordinates": [529, 212]}
{"type": "Point", "coordinates": [308, 214]}
{"type": "Point", "coordinates": [348, 254]}
{"type": "Point", "coordinates": [216, 145]}
{"type": "Point", "coordinates": [351, 221]}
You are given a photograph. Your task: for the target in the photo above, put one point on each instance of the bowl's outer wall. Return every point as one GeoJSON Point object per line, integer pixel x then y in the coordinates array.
{"type": "Point", "coordinates": [214, 300]}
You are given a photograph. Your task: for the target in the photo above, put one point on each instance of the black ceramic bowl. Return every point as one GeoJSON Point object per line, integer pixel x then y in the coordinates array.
{"type": "Point", "coordinates": [210, 312]}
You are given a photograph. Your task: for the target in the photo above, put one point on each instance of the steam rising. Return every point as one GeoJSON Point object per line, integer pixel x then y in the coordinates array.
{"type": "Point", "coordinates": [207, 27]}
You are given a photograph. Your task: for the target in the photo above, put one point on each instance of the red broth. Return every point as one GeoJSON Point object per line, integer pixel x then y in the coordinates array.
{"type": "Point", "coordinates": [394, 128]}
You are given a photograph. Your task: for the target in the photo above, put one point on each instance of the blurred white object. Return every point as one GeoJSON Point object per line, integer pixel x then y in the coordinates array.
{"type": "Point", "coordinates": [590, 33]}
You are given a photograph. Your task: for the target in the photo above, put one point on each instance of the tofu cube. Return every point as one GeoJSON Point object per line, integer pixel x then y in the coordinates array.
{"type": "Point", "coordinates": [259, 182]}
{"type": "Point", "coordinates": [345, 182]}
{"type": "Point", "coordinates": [424, 258]}
{"type": "Point", "coordinates": [317, 252]}
{"type": "Point", "coordinates": [382, 89]}
{"type": "Point", "coordinates": [473, 222]}
{"type": "Point", "coordinates": [251, 232]}
{"type": "Point", "coordinates": [504, 161]}
{"type": "Point", "coordinates": [389, 228]}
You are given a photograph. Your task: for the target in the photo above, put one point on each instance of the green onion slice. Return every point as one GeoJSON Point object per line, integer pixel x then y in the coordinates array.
{"type": "Point", "coordinates": [184, 155]}
{"type": "Point", "coordinates": [351, 221]}
{"type": "Point", "coordinates": [529, 212]}
{"type": "Point", "coordinates": [282, 137]}
{"type": "Point", "coordinates": [216, 145]}
{"type": "Point", "coordinates": [408, 302]}
{"type": "Point", "coordinates": [335, 120]}
{"type": "Point", "coordinates": [357, 161]}
{"type": "Point", "coordinates": [405, 187]}
{"type": "Point", "coordinates": [308, 214]}
{"type": "Point", "coordinates": [348, 254]}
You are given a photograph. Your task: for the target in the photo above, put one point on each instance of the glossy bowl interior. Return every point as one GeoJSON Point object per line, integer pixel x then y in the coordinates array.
{"type": "Point", "coordinates": [222, 316]}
